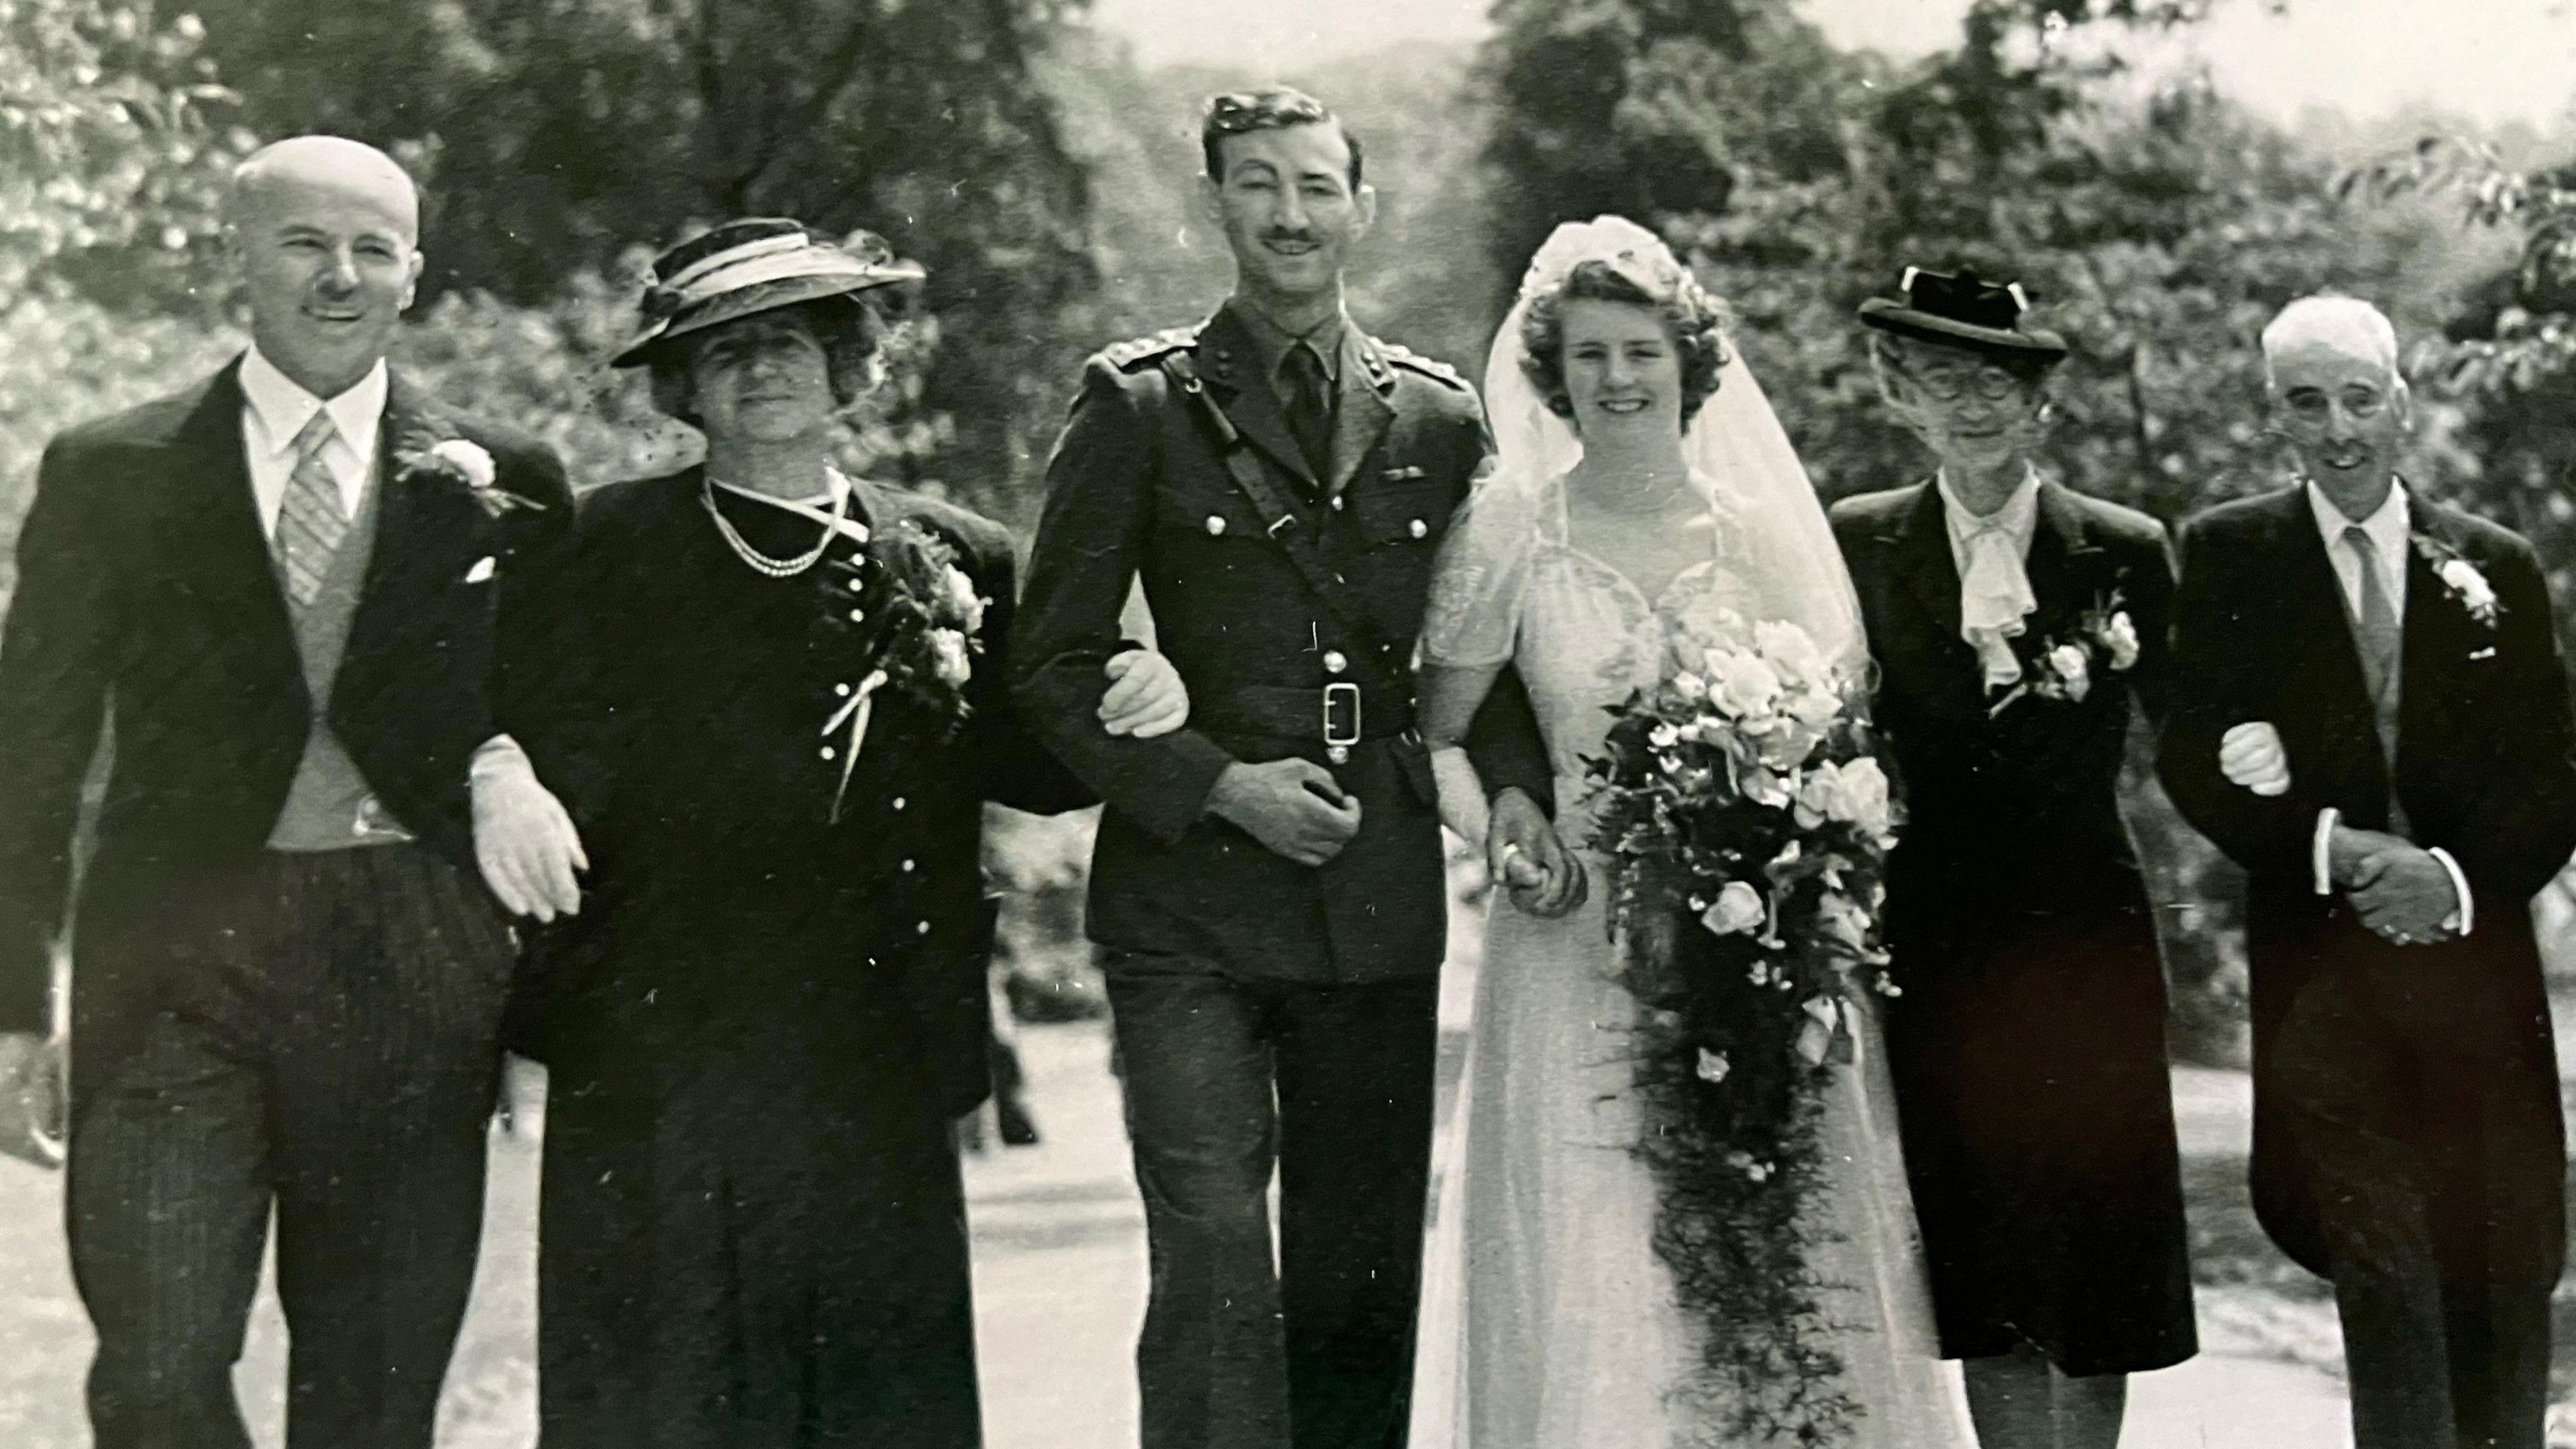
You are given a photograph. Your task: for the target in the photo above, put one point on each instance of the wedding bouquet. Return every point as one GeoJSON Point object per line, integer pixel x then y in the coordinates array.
{"type": "Point", "coordinates": [1746, 823]}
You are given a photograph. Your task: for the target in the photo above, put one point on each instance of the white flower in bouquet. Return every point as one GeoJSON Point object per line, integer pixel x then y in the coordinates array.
{"type": "Point", "coordinates": [962, 597]}
{"type": "Point", "coordinates": [949, 659]}
{"type": "Point", "coordinates": [2122, 635]}
{"type": "Point", "coordinates": [1713, 1066]}
{"type": "Point", "coordinates": [1763, 785]}
{"type": "Point", "coordinates": [1742, 684]}
{"type": "Point", "coordinates": [1738, 910]}
{"type": "Point", "coordinates": [2073, 672]}
{"type": "Point", "coordinates": [1842, 920]}
{"type": "Point", "coordinates": [1791, 650]}
{"type": "Point", "coordinates": [1854, 794]}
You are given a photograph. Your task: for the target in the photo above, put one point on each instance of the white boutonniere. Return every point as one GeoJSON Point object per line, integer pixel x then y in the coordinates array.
{"type": "Point", "coordinates": [464, 461]}
{"type": "Point", "coordinates": [2463, 579]}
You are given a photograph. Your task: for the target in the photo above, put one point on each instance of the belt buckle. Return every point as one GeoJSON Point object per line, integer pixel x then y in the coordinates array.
{"type": "Point", "coordinates": [1341, 720]}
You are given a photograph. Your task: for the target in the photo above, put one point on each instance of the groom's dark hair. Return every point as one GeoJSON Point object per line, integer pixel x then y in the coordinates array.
{"type": "Point", "coordinates": [1265, 108]}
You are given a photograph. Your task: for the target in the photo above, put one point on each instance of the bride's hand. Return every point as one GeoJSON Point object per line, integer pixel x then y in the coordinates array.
{"type": "Point", "coordinates": [1524, 855]}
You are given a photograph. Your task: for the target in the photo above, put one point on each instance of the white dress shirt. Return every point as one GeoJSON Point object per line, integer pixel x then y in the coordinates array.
{"type": "Point", "coordinates": [2388, 528]}
{"type": "Point", "coordinates": [1992, 552]}
{"type": "Point", "coordinates": [275, 409]}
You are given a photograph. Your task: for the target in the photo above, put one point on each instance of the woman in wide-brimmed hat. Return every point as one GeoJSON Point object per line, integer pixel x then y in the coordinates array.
{"type": "Point", "coordinates": [776, 709]}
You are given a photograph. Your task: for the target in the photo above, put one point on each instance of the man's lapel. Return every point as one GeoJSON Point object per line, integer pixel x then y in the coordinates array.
{"type": "Point", "coordinates": [1226, 361]}
{"type": "Point", "coordinates": [425, 530]}
{"type": "Point", "coordinates": [2439, 634]}
{"type": "Point", "coordinates": [1366, 408]}
{"type": "Point", "coordinates": [223, 554]}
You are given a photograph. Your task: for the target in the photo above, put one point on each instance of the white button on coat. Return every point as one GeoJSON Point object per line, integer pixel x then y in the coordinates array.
{"type": "Point", "coordinates": [1215, 524]}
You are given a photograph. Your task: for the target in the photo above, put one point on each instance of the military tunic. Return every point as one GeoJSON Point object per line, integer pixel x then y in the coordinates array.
{"type": "Point", "coordinates": [1267, 1012]}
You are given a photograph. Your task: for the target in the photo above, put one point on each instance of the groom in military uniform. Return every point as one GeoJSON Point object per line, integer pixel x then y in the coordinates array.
{"type": "Point", "coordinates": [1269, 889]}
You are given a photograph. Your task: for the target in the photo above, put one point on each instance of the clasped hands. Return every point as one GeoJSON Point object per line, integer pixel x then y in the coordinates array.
{"type": "Point", "coordinates": [2402, 892]}
{"type": "Point", "coordinates": [1295, 808]}
{"type": "Point", "coordinates": [531, 854]}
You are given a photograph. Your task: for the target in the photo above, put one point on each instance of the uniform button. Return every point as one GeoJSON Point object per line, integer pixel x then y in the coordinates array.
{"type": "Point", "coordinates": [921, 928]}
{"type": "Point", "coordinates": [1335, 661]}
{"type": "Point", "coordinates": [907, 865]}
{"type": "Point", "coordinates": [842, 690]}
{"type": "Point", "coordinates": [858, 616]}
{"type": "Point", "coordinates": [1418, 529]}
{"type": "Point", "coordinates": [1215, 524]}
{"type": "Point", "coordinates": [898, 802]}
{"type": "Point", "coordinates": [829, 753]}
{"type": "Point", "coordinates": [1337, 502]}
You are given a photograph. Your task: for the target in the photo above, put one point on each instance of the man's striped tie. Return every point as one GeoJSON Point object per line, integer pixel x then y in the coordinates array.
{"type": "Point", "coordinates": [310, 520]}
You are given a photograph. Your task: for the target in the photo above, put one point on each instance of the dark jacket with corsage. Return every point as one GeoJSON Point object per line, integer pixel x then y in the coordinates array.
{"type": "Point", "coordinates": [750, 874]}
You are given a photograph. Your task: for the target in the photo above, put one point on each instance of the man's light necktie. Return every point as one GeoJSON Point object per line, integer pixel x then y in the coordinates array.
{"type": "Point", "coordinates": [2381, 636]}
{"type": "Point", "coordinates": [311, 521]}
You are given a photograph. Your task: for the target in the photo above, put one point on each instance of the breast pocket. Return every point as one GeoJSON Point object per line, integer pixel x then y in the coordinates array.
{"type": "Point", "coordinates": [1403, 509]}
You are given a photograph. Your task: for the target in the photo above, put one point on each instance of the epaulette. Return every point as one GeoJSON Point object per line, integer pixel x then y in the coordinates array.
{"type": "Point", "coordinates": [1430, 367]}
{"type": "Point", "coordinates": [1142, 352]}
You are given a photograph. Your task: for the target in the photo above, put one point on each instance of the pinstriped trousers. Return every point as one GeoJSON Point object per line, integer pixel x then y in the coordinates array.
{"type": "Point", "coordinates": [328, 1048]}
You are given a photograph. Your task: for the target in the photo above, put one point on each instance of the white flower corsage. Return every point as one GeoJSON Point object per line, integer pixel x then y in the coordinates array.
{"type": "Point", "coordinates": [2462, 578]}
{"type": "Point", "coordinates": [2062, 668]}
{"type": "Point", "coordinates": [465, 461]}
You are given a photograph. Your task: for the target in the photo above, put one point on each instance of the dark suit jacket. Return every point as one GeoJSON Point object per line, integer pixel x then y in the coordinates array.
{"type": "Point", "coordinates": [2483, 770]}
{"type": "Point", "coordinates": [146, 594]}
{"type": "Point", "coordinates": [680, 716]}
{"type": "Point", "coordinates": [1138, 487]}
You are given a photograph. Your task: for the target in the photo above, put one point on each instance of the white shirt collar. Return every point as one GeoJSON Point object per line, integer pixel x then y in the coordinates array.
{"type": "Point", "coordinates": [2018, 517]}
{"type": "Point", "coordinates": [282, 406]}
{"type": "Point", "coordinates": [2387, 527]}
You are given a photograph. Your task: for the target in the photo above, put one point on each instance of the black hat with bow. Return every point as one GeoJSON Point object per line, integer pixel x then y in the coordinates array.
{"type": "Point", "coordinates": [1963, 311]}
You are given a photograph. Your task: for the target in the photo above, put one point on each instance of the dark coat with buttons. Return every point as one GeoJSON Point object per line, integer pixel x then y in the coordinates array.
{"type": "Point", "coordinates": [682, 720]}
{"type": "Point", "coordinates": [1139, 488]}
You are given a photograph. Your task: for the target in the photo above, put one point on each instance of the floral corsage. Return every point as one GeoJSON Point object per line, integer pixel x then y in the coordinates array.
{"type": "Point", "coordinates": [2061, 667]}
{"type": "Point", "coordinates": [470, 464]}
{"type": "Point", "coordinates": [2461, 577]}
{"type": "Point", "coordinates": [929, 619]}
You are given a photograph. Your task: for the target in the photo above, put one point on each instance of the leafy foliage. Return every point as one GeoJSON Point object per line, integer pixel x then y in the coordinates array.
{"type": "Point", "coordinates": [113, 150]}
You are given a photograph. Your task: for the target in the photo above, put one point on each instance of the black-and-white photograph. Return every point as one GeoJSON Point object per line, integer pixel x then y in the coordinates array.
{"type": "Point", "coordinates": [1287, 724]}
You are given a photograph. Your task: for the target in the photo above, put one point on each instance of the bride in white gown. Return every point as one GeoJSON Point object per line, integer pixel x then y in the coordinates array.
{"type": "Point", "coordinates": [1622, 502]}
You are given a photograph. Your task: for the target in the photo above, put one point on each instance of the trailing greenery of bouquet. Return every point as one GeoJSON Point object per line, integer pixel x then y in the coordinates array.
{"type": "Point", "coordinates": [1746, 823]}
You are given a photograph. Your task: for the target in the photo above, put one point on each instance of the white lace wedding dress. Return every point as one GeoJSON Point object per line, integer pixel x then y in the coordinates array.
{"type": "Point", "coordinates": [1548, 1320]}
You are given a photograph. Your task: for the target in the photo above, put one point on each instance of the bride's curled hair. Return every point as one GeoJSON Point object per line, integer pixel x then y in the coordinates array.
{"type": "Point", "coordinates": [1694, 320]}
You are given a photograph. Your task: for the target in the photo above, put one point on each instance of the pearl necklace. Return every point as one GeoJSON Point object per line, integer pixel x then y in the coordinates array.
{"type": "Point", "coordinates": [776, 568]}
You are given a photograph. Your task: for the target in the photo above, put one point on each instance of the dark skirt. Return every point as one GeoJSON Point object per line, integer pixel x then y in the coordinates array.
{"type": "Point", "coordinates": [767, 1252]}
{"type": "Point", "coordinates": [2028, 1055]}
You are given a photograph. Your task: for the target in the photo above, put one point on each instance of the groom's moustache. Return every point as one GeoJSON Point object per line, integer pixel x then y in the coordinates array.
{"type": "Point", "coordinates": [1307, 238]}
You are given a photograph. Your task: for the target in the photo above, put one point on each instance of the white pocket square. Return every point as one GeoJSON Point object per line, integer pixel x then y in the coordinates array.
{"type": "Point", "coordinates": [483, 569]}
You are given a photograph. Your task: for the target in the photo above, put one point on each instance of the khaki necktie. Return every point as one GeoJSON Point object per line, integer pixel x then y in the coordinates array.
{"type": "Point", "coordinates": [1310, 410]}
{"type": "Point", "coordinates": [311, 521]}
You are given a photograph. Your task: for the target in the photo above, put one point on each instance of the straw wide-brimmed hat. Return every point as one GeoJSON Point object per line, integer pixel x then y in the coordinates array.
{"type": "Point", "coordinates": [1963, 311]}
{"type": "Point", "coordinates": [754, 265]}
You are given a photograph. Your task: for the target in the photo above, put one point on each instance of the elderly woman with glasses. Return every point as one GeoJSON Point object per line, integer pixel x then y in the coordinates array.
{"type": "Point", "coordinates": [775, 707]}
{"type": "Point", "coordinates": [2018, 629]}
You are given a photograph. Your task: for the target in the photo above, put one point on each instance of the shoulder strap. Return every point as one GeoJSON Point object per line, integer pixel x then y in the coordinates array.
{"type": "Point", "coordinates": [1278, 519]}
